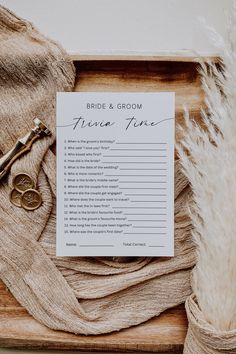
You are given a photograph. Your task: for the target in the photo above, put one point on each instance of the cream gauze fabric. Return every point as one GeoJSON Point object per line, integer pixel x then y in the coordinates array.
{"type": "Point", "coordinates": [77, 294]}
{"type": "Point", "coordinates": [202, 337]}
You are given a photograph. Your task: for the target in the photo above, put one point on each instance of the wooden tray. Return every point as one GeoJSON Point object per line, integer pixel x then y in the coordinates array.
{"type": "Point", "coordinates": [165, 333]}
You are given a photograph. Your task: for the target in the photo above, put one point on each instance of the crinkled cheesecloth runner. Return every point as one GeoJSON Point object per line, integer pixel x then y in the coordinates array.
{"type": "Point", "coordinates": [202, 337]}
{"type": "Point", "coordinates": [77, 294]}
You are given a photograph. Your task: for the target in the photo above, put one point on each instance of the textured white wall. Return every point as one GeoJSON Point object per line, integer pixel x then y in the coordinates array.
{"type": "Point", "coordinates": [84, 26]}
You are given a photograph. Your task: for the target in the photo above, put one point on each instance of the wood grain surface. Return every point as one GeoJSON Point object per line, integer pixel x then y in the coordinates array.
{"type": "Point", "coordinates": [165, 333]}
{"type": "Point", "coordinates": [18, 329]}
{"type": "Point", "coordinates": [167, 57]}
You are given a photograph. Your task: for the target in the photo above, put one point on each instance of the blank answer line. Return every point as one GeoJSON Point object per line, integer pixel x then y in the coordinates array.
{"type": "Point", "coordinates": [161, 214]}
{"type": "Point", "coordinates": [148, 182]}
{"type": "Point", "coordinates": [146, 195]}
{"type": "Point", "coordinates": [135, 175]}
{"type": "Point", "coordinates": [134, 156]}
{"type": "Point", "coordinates": [137, 163]}
{"type": "Point", "coordinates": [149, 227]}
{"type": "Point", "coordinates": [148, 201]}
{"type": "Point", "coordinates": [133, 143]}
{"type": "Point", "coordinates": [143, 169]}
{"type": "Point", "coordinates": [159, 188]}
{"type": "Point", "coordinates": [159, 246]}
{"type": "Point", "coordinates": [96, 245]}
{"type": "Point", "coordinates": [138, 149]}
{"type": "Point", "coordinates": [138, 207]}
{"type": "Point", "coordinates": [147, 220]}
{"type": "Point", "coordinates": [144, 233]}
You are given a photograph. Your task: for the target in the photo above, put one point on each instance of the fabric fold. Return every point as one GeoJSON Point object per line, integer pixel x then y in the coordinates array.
{"type": "Point", "coordinates": [202, 337]}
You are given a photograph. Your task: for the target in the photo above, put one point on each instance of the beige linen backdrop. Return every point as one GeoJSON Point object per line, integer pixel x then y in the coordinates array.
{"type": "Point", "coordinates": [78, 294]}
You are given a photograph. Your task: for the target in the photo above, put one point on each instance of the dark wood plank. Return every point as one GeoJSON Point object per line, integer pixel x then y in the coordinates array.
{"type": "Point", "coordinates": [18, 329]}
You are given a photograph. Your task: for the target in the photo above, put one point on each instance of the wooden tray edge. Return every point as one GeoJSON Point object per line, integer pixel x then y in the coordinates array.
{"type": "Point", "coordinates": [124, 57]}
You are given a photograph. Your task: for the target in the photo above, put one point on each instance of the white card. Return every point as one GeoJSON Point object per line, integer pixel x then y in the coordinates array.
{"type": "Point", "coordinates": [115, 174]}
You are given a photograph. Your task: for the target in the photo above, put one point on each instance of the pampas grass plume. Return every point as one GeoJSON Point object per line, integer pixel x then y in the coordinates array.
{"type": "Point", "coordinates": [209, 161]}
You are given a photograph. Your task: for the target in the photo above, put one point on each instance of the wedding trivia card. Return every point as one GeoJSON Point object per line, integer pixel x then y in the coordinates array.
{"type": "Point", "coordinates": [115, 174]}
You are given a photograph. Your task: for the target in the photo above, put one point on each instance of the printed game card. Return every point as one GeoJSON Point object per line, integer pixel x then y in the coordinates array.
{"type": "Point", "coordinates": [115, 174]}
